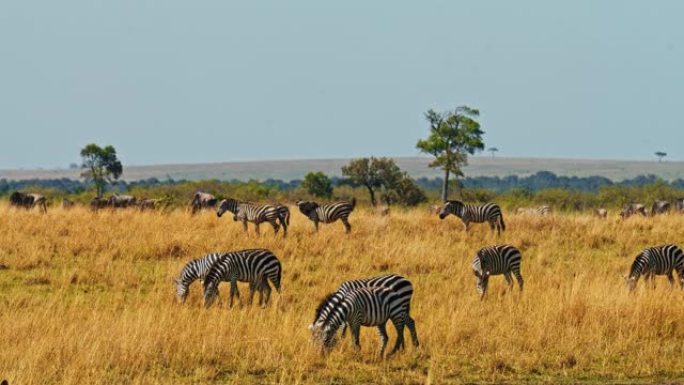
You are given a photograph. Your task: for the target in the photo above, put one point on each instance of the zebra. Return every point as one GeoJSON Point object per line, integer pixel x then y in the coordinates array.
{"type": "Point", "coordinates": [328, 213]}
{"type": "Point", "coordinates": [194, 270]}
{"type": "Point", "coordinates": [394, 282]}
{"type": "Point", "coordinates": [496, 260]}
{"type": "Point", "coordinates": [537, 211]}
{"type": "Point", "coordinates": [632, 209]}
{"type": "Point", "coordinates": [660, 207]}
{"type": "Point", "coordinates": [488, 212]}
{"type": "Point", "coordinates": [658, 260]}
{"type": "Point", "coordinates": [365, 306]}
{"type": "Point", "coordinates": [679, 204]}
{"type": "Point", "coordinates": [255, 266]}
{"type": "Point", "coordinates": [256, 213]}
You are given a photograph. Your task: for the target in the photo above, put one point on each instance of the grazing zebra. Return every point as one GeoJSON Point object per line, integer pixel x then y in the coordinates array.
{"type": "Point", "coordinates": [632, 209]}
{"type": "Point", "coordinates": [202, 200]}
{"type": "Point", "coordinates": [67, 204]}
{"type": "Point", "coordinates": [601, 213]}
{"type": "Point", "coordinates": [365, 306]}
{"type": "Point", "coordinates": [257, 214]}
{"type": "Point", "coordinates": [496, 260]}
{"type": "Point", "coordinates": [328, 213]}
{"type": "Point", "coordinates": [659, 260]}
{"type": "Point", "coordinates": [660, 207]}
{"type": "Point", "coordinates": [256, 266]}
{"type": "Point", "coordinates": [488, 212]}
{"type": "Point", "coordinates": [194, 270]}
{"type": "Point", "coordinates": [149, 204]}
{"type": "Point", "coordinates": [98, 203]}
{"type": "Point", "coordinates": [394, 282]}
{"type": "Point", "coordinates": [122, 201]}
{"type": "Point", "coordinates": [539, 211]}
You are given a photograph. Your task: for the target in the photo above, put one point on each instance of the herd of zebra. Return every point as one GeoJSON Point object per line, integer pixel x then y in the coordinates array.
{"type": "Point", "coordinates": [376, 300]}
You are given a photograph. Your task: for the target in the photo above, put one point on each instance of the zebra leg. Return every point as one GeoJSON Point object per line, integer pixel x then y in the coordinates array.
{"type": "Point", "coordinates": [252, 288]}
{"type": "Point", "coordinates": [316, 225]}
{"type": "Point", "coordinates": [382, 331]}
{"type": "Point", "coordinates": [398, 323]}
{"type": "Point", "coordinates": [256, 228]}
{"type": "Point", "coordinates": [233, 290]}
{"type": "Point", "coordinates": [244, 224]}
{"type": "Point", "coordinates": [412, 328]}
{"type": "Point", "coordinates": [347, 226]}
{"type": "Point", "coordinates": [509, 280]}
{"type": "Point", "coordinates": [284, 224]}
{"type": "Point", "coordinates": [467, 225]}
{"type": "Point", "coordinates": [344, 329]}
{"type": "Point", "coordinates": [670, 279]}
{"type": "Point", "coordinates": [355, 332]}
{"type": "Point", "coordinates": [485, 283]}
{"type": "Point", "coordinates": [519, 278]}
{"type": "Point", "coordinates": [267, 288]}
{"type": "Point", "coordinates": [680, 278]}
{"type": "Point", "coordinates": [275, 225]}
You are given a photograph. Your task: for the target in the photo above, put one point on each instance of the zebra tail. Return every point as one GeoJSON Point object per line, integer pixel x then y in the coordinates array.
{"type": "Point", "coordinates": [287, 217]}
{"type": "Point", "coordinates": [501, 222]}
{"type": "Point", "coordinates": [353, 202]}
{"type": "Point", "coordinates": [280, 276]}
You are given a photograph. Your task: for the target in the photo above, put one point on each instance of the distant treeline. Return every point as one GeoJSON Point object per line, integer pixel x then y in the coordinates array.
{"type": "Point", "coordinates": [542, 180]}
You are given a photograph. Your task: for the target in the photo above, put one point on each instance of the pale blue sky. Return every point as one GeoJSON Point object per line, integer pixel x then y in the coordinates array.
{"type": "Point", "coordinates": [203, 81]}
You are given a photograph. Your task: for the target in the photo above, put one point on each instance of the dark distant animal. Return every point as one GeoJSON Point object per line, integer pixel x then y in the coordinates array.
{"type": "Point", "coordinates": [495, 260]}
{"type": "Point", "coordinates": [148, 204]}
{"type": "Point", "coordinates": [67, 204]}
{"type": "Point", "coordinates": [122, 201]}
{"type": "Point", "coordinates": [632, 209]}
{"type": "Point", "coordinates": [601, 213]}
{"type": "Point", "coordinates": [255, 266]}
{"type": "Point", "coordinates": [276, 215]}
{"type": "Point", "coordinates": [98, 203]}
{"type": "Point", "coordinates": [328, 213]}
{"type": "Point", "coordinates": [192, 271]}
{"type": "Point", "coordinates": [202, 200]}
{"type": "Point", "coordinates": [28, 201]}
{"type": "Point", "coordinates": [660, 207]}
{"type": "Point", "coordinates": [365, 306]}
{"type": "Point", "coordinates": [394, 282]}
{"type": "Point", "coordinates": [488, 212]}
{"type": "Point", "coordinates": [679, 205]}
{"type": "Point", "coordinates": [659, 260]}
{"type": "Point", "coordinates": [539, 210]}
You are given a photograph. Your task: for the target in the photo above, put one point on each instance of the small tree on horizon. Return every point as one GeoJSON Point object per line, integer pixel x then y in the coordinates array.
{"type": "Point", "coordinates": [493, 150]}
{"type": "Point", "coordinates": [102, 166]}
{"type": "Point", "coordinates": [318, 184]}
{"type": "Point", "coordinates": [453, 135]}
{"type": "Point", "coordinates": [660, 155]}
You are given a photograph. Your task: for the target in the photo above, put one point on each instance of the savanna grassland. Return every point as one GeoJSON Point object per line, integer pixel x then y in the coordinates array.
{"type": "Point", "coordinates": [87, 298]}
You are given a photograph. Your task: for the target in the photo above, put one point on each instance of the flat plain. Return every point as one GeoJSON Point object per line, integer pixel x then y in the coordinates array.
{"type": "Point", "coordinates": [87, 298]}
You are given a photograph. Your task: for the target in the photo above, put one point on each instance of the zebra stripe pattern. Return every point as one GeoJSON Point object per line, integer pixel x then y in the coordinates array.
{"type": "Point", "coordinates": [257, 214]}
{"type": "Point", "coordinates": [488, 212]}
{"type": "Point", "coordinates": [659, 260]}
{"type": "Point", "coordinates": [365, 306]}
{"type": "Point", "coordinates": [328, 213]}
{"type": "Point", "coordinates": [497, 260]}
{"type": "Point", "coordinates": [394, 282]}
{"type": "Point", "coordinates": [538, 211]}
{"type": "Point", "coordinates": [194, 270]}
{"type": "Point", "coordinates": [255, 266]}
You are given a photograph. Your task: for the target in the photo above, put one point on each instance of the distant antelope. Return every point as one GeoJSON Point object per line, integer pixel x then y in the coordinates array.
{"type": "Point", "coordinates": [632, 209]}
{"type": "Point", "coordinates": [28, 201]}
{"type": "Point", "coordinates": [660, 207]}
{"type": "Point", "coordinates": [488, 212]}
{"type": "Point", "coordinates": [202, 200]}
{"type": "Point", "coordinates": [601, 213]}
{"type": "Point", "coordinates": [539, 210]}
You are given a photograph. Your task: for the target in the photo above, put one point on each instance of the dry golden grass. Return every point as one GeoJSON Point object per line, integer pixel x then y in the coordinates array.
{"type": "Point", "coordinates": [88, 299]}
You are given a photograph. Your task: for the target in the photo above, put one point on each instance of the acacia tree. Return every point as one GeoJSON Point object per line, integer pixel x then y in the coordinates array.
{"type": "Point", "coordinates": [493, 150]}
{"type": "Point", "coordinates": [318, 184]}
{"type": "Point", "coordinates": [364, 171]}
{"type": "Point", "coordinates": [101, 164]}
{"type": "Point", "coordinates": [660, 155]}
{"type": "Point", "coordinates": [453, 136]}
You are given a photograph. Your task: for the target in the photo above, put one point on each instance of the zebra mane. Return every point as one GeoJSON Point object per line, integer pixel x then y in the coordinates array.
{"type": "Point", "coordinates": [324, 302]}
